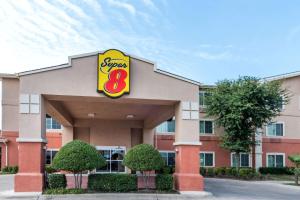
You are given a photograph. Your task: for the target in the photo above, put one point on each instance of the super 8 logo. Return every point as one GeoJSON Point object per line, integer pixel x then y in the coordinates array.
{"type": "Point", "coordinates": [113, 73]}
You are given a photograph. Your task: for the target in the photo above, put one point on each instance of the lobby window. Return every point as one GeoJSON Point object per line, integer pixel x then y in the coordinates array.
{"type": "Point", "coordinates": [52, 123]}
{"type": "Point", "coordinates": [202, 98]}
{"type": "Point", "coordinates": [166, 127]}
{"type": "Point", "coordinates": [244, 160]}
{"type": "Point", "coordinates": [275, 159]}
{"type": "Point", "coordinates": [169, 157]}
{"type": "Point", "coordinates": [50, 154]}
{"type": "Point", "coordinates": [114, 158]}
{"type": "Point", "coordinates": [207, 159]}
{"type": "Point", "coordinates": [206, 126]}
{"type": "Point", "coordinates": [275, 129]}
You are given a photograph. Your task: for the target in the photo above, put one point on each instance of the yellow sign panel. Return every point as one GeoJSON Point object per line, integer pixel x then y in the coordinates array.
{"type": "Point", "coordinates": [113, 73]}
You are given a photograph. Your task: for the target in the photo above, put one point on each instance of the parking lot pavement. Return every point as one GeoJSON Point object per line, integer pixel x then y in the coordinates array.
{"type": "Point", "coordinates": [245, 190]}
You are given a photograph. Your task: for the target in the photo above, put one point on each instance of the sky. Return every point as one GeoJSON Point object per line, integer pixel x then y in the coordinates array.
{"type": "Point", "coordinates": [204, 40]}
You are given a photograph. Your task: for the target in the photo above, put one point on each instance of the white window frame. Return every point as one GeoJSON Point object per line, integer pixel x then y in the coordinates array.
{"type": "Point", "coordinates": [165, 151]}
{"type": "Point", "coordinates": [98, 148]}
{"type": "Point", "coordinates": [53, 130]}
{"type": "Point", "coordinates": [165, 133]}
{"type": "Point", "coordinates": [50, 149]}
{"type": "Point", "coordinates": [274, 154]}
{"type": "Point", "coordinates": [283, 105]}
{"type": "Point", "coordinates": [203, 92]}
{"type": "Point", "coordinates": [250, 159]}
{"type": "Point", "coordinates": [213, 126]}
{"type": "Point", "coordinates": [276, 136]}
{"type": "Point", "coordinates": [207, 152]}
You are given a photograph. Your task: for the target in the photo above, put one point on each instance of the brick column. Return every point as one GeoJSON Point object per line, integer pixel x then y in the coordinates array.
{"type": "Point", "coordinates": [31, 142]}
{"type": "Point", "coordinates": [187, 176]}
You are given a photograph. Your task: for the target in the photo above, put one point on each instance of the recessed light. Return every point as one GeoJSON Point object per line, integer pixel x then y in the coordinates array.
{"type": "Point", "coordinates": [92, 115]}
{"type": "Point", "coordinates": [130, 116]}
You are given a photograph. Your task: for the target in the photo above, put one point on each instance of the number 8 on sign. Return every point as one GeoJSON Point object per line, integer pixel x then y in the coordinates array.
{"type": "Point", "coordinates": [116, 81]}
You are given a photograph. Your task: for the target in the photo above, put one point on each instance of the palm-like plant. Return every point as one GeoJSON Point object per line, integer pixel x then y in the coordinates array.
{"type": "Point", "coordinates": [296, 160]}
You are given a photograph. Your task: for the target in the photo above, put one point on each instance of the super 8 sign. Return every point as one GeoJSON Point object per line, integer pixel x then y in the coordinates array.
{"type": "Point", "coordinates": [113, 73]}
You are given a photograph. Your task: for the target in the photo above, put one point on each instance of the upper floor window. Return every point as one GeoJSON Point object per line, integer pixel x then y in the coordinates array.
{"type": "Point", "coordinates": [169, 157]}
{"type": "Point", "coordinates": [203, 98]}
{"type": "Point", "coordinates": [52, 123]}
{"type": "Point", "coordinates": [206, 127]}
{"type": "Point", "coordinates": [166, 127]}
{"type": "Point", "coordinates": [275, 159]}
{"type": "Point", "coordinates": [275, 129]}
{"type": "Point", "coordinates": [244, 160]}
{"type": "Point", "coordinates": [50, 154]}
{"type": "Point", "coordinates": [207, 159]}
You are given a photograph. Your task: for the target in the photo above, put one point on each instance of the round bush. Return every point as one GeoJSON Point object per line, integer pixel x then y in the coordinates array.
{"type": "Point", "coordinates": [56, 181]}
{"type": "Point", "coordinates": [143, 157]}
{"type": "Point", "coordinates": [78, 156]}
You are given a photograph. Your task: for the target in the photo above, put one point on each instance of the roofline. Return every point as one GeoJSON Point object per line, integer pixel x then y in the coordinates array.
{"type": "Point", "coordinates": [282, 76]}
{"type": "Point", "coordinates": [66, 65]}
{"type": "Point", "coordinates": [5, 75]}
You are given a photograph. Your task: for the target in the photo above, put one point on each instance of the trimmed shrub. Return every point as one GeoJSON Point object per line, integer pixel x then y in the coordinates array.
{"type": "Point", "coordinates": [144, 158]}
{"type": "Point", "coordinates": [247, 173]}
{"type": "Point", "coordinates": [164, 182]}
{"type": "Point", "coordinates": [166, 170]}
{"type": "Point", "coordinates": [10, 170]}
{"type": "Point", "coordinates": [56, 181]}
{"type": "Point", "coordinates": [77, 157]}
{"type": "Point", "coordinates": [277, 170]}
{"type": "Point", "coordinates": [210, 172]}
{"type": "Point", "coordinates": [112, 182]}
{"type": "Point", "coordinates": [220, 171]}
{"type": "Point", "coordinates": [49, 169]}
{"type": "Point", "coordinates": [203, 171]}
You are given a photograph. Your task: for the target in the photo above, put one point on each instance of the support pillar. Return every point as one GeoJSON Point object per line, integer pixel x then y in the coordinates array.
{"type": "Point", "coordinates": [67, 134]}
{"type": "Point", "coordinates": [148, 136]}
{"type": "Point", "coordinates": [187, 176]}
{"type": "Point", "coordinates": [30, 177]}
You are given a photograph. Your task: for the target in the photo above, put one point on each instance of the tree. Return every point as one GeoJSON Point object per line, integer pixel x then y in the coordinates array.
{"type": "Point", "coordinates": [77, 157]}
{"type": "Point", "coordinates": [243, 105]}
{"type": "Point", "coordinates": [296, 160]}
{"type": "Point", "coordinates": [144, 158]}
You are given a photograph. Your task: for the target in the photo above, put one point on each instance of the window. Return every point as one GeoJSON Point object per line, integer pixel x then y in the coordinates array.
{"type": "Point", "coordinates": [202, 98]}
{"type": "Point", "coordinates": [275, 159]}
{"type": "Point", "coordinates": [206, 127]}
{"type": "Point", "coordinates": [50, 154]}
{"type": "Point", "coordinates": [169, 157]}
{"type": "Point", "coordinates": [275, 129]}
{"type": "Point", "coordinates": [114, 158]}
{"type": "Point", "coordinates": [166, 127]}
{"type": "Point", "coordinates": [207, 159]}
{"type": "Point", "coordinates": [244, 160]}
{"type": "Point", "coordinates": [52, 123]}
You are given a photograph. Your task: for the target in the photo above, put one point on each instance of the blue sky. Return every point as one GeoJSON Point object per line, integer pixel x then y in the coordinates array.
{"type": "Point", "coordinates": [203, 40]}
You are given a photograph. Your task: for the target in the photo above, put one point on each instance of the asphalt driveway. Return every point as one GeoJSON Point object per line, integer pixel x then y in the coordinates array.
{"type": "Point", "coordinates": [6, 183]}
{"type": "Point", "coordinates": [246, 190]}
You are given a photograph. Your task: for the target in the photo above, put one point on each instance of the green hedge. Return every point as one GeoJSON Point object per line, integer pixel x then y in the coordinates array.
{"type": "Point", "coordinates": [49, 169]}
{"type": "Point", "coordinates": [277, 170]}
{"type": "Point", "coordinates": [243, 173]}
{"type": "Point", "coordinates": [57, 181]}
{"type": "Point", "coordinates": [166, 170]}
{"type": "Point", "coordinates": [164, 182]}
{"type": "Point", "coordinates": [247, 173]}
{"type": "Point", "coordinates": [112, 182]}
{"type": "Point", "coordinates": [10, 170]}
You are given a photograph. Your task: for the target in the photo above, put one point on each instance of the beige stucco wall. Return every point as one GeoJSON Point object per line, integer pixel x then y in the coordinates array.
{"type": "Point", "coordinates": [10, 104]}
{"type": "Point", "coordinates": [81, 80]}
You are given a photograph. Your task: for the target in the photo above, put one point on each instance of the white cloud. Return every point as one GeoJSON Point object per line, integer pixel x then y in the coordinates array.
{"type": "Point", "coordinates": [127, 6]}
{"type": "Point", "coordinates": [214, 56]}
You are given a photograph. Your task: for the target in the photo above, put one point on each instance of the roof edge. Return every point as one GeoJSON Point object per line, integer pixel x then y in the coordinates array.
{"type": "Point", "coordinates": [5, 75]}
{"type": "Point", "coordinates": [282, 76]}
{"type": "Point", "coordinates": [66, 65]}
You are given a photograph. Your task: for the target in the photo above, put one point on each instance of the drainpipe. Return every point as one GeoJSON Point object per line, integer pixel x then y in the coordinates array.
{"type": "Point", "coordinates": [6, 154]}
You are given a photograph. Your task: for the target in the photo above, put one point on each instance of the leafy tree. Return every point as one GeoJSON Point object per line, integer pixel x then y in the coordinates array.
{"type": "Point", "coordinates": [243, 105]}
{"type": "Point", "coordinates": [144, 158]}
{"type": "Point", "coordinates": [77, 157]}
{"type": "Point", "coordinates": [296, 160]}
